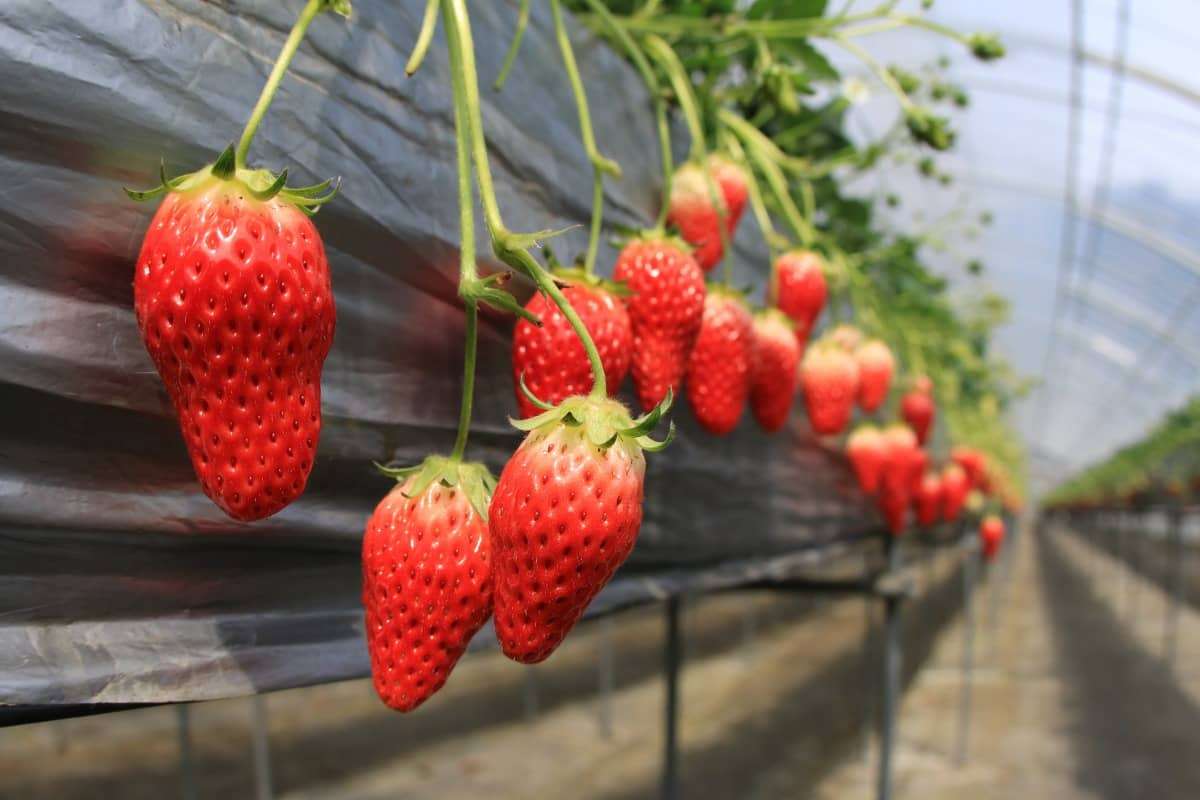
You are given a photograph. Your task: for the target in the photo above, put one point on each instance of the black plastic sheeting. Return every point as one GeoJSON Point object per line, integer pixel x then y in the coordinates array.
{"type": "Point", "coordinates": [119, 581]}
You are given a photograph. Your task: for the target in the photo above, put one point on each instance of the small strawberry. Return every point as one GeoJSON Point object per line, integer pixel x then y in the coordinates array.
{"type": "Point", "coordinates": [798, 288]}
{"type": "Point", "coordinates": [551, 358]}
{"type": "Point", "coordinates": [991, 532]}
{"type": "Point", "coordinates": [896, 478]}
{"type": "Point", "coordinates": [955, 486]}
{"type": "Point", "coordinates": [776, 369]}
{"type": "Point", "coordinates": [919, 462]}
{"type": "Point", "coordinates": [875, 367]}
{"type": "Point", "coordinates": [917, 408]}
{"type": "Point", "coordinates": [866, 449]}
{"type": "Point", "coordinates": [972, 463]}
{"type": "Point", "coordinates": [829, 376]}
{"type": "Point", "coordinates": [847, 337]}
{"type": "Point", "coordinates": [692, 210]}
{"type": "Point", "coordinates": [666, 305]}
{"type": "Point", "coordinates": [427, 577]}
{"type": "Point", "coordinates": [234, 302]}
{"type": "Point", "coordinates": [564, 516]}
{"type": "Point", "coordinates": [928, 500]}
{"type": "Point", "coordinates": [718, 375]}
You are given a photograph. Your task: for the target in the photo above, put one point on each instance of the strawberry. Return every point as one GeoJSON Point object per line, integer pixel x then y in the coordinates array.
{"type": "Point", "coordinates": [896, 478]}
{"type": "Point", "coordinates": [927, 501]}
{"type": "Point", "coordinates": [829, 376]}
{"type": "Point", "coordinates": [427, 577]}
{"type": "Point", "coordinates": [875, 367]}
{"type": "Point", "coordinates": [692, 210]}
{"type": "Point", "coordinates": [798, 288]}
{"type": "Point", "coordinates": [866, 449]}
{"type": "Point", "coordinates": [233, 299]}
{"type": "Point", "coordinates": [955, 486]}
{"type": "Point", "coordinates": [718, 374]}
{"type": "Point", "coordinates": [551, 358]}
{"type": "Point", "coordinates": [776, 363]}
{"type": "Point", "coordinates": [666, 305]}
{"type": "Point", "coordinates": [917, 408]}
{"type": "Point", "coordinates": [918, 461]}
{"type": "Point", "coordinates": [564, 516]}
{"type": "Point", "coordinates": [972, 463]}
{"type": "Point", "coordinates": [991, 532]}
{"type": "Point", "coordinates": [847, 337]}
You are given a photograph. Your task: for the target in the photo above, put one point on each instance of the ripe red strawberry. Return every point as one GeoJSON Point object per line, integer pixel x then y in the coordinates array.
{"type": "Point", "coordinates": [829, 376]}
{"type": "Point", "coordinates": [798, 288]}
{"type": "Point", "coordinates": [776, 363]}
{"type": "Point", "coordinates": [551, 357]}
{"type": "Point", "coordinates": [972, 463]}
{"type": "Point", "coordinates": [928, 499]}
{"type": "Point", "coordinates": [919, 462]}
{"type": "Point", "coordinates": [896, 479]}
{"type": "Point", "coordinates": [875, 367]}
{"type": "Point", "coordinates": [718, 375]}
{"type": "Point", "coordinates": [565, 514]}
{"type": "Point", "coordinates": [991, 532]}
{"type": "Point", "coordinates": [735, 187]}
{"type": "Point", "coordinates": [917, 408]}
{"type": "Point", "coordinates": [427, 577]}
{"type": "Point", "coordinates": [692, 210]}
{"type": "Point", "coordinates": [233, 299]}
{"type": "Point", "coordinates": [955, 486]}
{"type": "Point", "coordinates": [866, 449]}
{"type": "Point", "coordinates": [847, 337]}
{"type": "Point", "coordinates": [666, 304]}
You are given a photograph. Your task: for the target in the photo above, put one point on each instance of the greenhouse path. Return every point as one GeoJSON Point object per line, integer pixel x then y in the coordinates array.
{"type": "Point", "coordinates": [1072, 697]}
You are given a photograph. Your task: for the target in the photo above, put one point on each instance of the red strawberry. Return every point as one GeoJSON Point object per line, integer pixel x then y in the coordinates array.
{"type": "Point", "coordinates": [955, 486]}
{"type": "Point", "coordinates": [972, 463]}
{"type": "Point", "coordinates": [666, 304]}
{"type": "Point", "coordinates": [234, 302]}
{"type": "Point", "coordinates": [829, 376]}
{"type": "Point", "coordinates": [847, 337]}
{"type": "Point", "coordinates": [798, 288]}
{"type": "Point", "coordinates": [735, 187]}
{"type": "Point", "coordinates": [918, 462]}
{"type": "Point", "coordinates": [866, 449]}
{"type": "Point", "coordinates": [718, 375]}
{"type": "Point", "coordinates": [776, 363]}
{"type": "Point", "coordinates": [875, 367]}
{"type": "Point", "coordinates": [895, 481]}
{"type": "Point", "coordinates": [692, 210]}
{"type": "Point", "coordinates": [564, 515]}
{"type": "Point", "coordinates": [917, 408]}
{"type": "Point", "coordinates": [991, 532]}
{"type": "Point", "coordinates": [928, 499]}
{"type": "Point", "coordinates": [551, 357]}
{"type": "Point", "coordinates": [427, 577]}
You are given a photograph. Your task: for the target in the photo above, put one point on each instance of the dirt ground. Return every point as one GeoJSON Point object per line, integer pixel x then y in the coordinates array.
{"type": "Point", "coordinates": [1071, 697]}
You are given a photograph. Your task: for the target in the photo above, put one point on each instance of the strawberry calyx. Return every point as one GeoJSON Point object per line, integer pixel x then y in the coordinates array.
{"type": "Point", "coordinates": [604, 420]}
{"type": "Point", "coordinates": [473, 478]}
{"type": "Point", "coordinates": [775, 317]}
{"type": "Point", "coordinates": [261, 184]}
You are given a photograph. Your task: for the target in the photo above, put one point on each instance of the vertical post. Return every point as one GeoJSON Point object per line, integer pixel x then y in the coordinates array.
{"type": "Point", "coordinates": [970, 564]}
{"type": "Point", "coordinates": [1122, 570]}
{"type": "Point", "coordinates": [261, 751]}
{"type": "Point", "coordinates": [868, 663]}
{"type": "Point", "coordinates": [672, 656]}
{"type": "Point", "coordinates": [1171, 633]}
{"type": "Point", "coordinates": [604, 711]}
{"type": "Point", "coordinates": [1137, 525]}
{"type": "Point", "coordinates": [187, 774]}
{"type": "Point", "coordinates": [892, 664]}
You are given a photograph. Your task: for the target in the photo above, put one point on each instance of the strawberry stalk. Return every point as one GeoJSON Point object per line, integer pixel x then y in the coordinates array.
{"type": "Point", "coordinates": [509, 247]}
{"type": "Point", "coordinates": [511, 56]}
{"type": "Point", "coordinates": [776, 243]}
{"type": "Point", "coordinates": [310, 11]}
{"type": "Point", "coordinates": [600, 164]}
{"type": "Point", "coordinates": [428, 25]}
{"type": "Point", "coordinates": [762, 153]}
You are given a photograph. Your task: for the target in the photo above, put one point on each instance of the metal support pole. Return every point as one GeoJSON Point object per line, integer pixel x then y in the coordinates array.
{"type": "Point", "coordinates": [187, 774]}
{"type": "Point", "coordinates": [1171, 633]}
{"type": "Point", "coordinates": [261, 751]}
{"type": "Point", "coordinates": [970, 565]}
{"type": "Point", "coordinates": [868, 664]}
{"type": "Point", "coordinates": [672, 655]}
{"type": "Point", "coordinates": [892, 665]}
{"type": "Point", "coordinates": [605, 668]}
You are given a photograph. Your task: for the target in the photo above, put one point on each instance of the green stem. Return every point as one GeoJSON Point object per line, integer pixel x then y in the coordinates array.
{"type": "Point", "coordinates": [757, 206]}
{"type": "Point", "coordinates": [880, 71]}
{"type": "Point", "coordinates": [752, 138]}
{"type": "Point", "coordinates": [311, 9]}
{"type": "Point", "coordinates": [468, 275]}
{"type": "Point", "coordinates": [428, 26]}
{"type": "Point", "coordinates": [661, 52]}
{"type": "Point", "coordinates": [600, 164]}
{"type": "Point", "coordinates": [509, 247]}
{"type": "Point", "coordinates": [511, 56]}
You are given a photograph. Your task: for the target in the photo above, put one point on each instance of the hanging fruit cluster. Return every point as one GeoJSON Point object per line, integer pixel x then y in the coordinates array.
{"type": "Point", "coordinates": [234, 299]}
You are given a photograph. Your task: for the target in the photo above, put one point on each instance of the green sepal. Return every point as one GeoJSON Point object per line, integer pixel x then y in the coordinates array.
{"type": "Point", "coordinates": [486, 291]}
{"type": "Point", "coordinates": [524, 241]}
{"type": "Point", "coordinates": [165, 185]}
{"type": "Point", "coordinates": [226, 164]}
{"type": "Point", "coordinates": [604, 421]}
{"type": "Point", "coordinates": [339, 7]}
{"type": "Point", "coordinates": [472, 478]}
{"type": "Point", "coordinates": [273, 189]}
{"type": "Point", "coordinates": [649, 421]}
{"type": "Point", "coordinates": [653, 446]}
{"type": "Point", "coordinates": [531, 397]}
